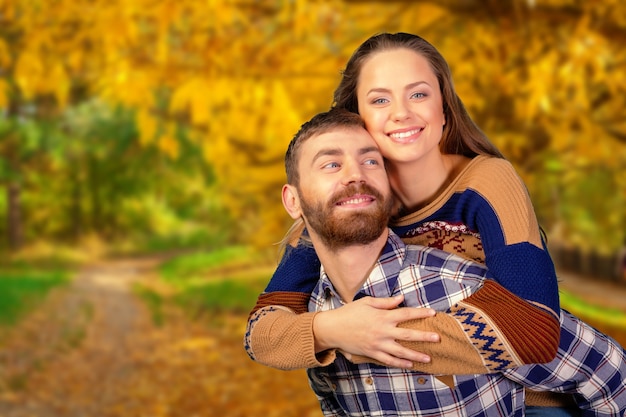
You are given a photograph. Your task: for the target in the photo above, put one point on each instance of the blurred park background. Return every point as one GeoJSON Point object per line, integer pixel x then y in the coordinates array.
{"type": "Point", "coordinates": [152, 132]}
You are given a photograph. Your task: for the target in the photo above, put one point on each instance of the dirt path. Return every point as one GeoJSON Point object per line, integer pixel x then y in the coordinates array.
{"type": "Point", "coordinates": [92, 351]}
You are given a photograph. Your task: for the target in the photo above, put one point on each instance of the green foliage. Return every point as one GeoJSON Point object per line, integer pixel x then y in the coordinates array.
{"type": "Point", "coordinates": [185, 268]}
{"type": "Point", "coordinates": [230, 279]}
{"type": "Point", "coordinates": [190, 237]}
{"type": "Point", "coordinates": [21, 290]}
{"type": "Point", "coordinates": [611, 317]}
{"type": "Point", "coordinates": [108, 184]}
{"type": "Point", "coordinates": [237, 294]}
{"type": "Point", "coordinates": [154, 302]}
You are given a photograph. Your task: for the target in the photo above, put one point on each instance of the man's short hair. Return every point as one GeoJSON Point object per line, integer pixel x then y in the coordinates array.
{"type": "Point", "coordinates": [320, 123]}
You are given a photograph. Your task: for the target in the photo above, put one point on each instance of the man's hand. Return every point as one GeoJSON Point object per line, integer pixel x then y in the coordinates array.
{"type": "Point", "coordinates": [369, 327]}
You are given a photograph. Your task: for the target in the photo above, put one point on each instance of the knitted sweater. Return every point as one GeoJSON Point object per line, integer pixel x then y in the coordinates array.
{"type": "Point", "coordinates": [477, 217]}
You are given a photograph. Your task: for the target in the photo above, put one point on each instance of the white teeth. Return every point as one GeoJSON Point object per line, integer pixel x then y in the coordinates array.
{"type": "Point", "coordinates": [355, 201]}
{"type": "Point", "coordinates": [402, 135]}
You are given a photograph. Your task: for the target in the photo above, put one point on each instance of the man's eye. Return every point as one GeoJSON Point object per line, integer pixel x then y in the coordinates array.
{"type": "Point", "coordinates": [372, 162]}
{"type": "Point", "coordinates": [332, 165]}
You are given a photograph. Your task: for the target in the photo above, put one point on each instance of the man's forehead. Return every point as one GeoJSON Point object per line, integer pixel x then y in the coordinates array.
{"type": "Point", "coordinates": [348, 138]}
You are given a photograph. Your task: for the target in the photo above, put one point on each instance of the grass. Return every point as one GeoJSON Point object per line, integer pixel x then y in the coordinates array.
{"type": "Point", "coordinates": [236, 294]}
{"type": "Point", "coordinates": [185, 268]}
{"type": "Point", "coordinates": [611, 317]}
{"type": "Point", "coordinates": [20, 290]}
{"type": "Point", "coordinates": [226, 280]}
{"type": "Point", "coordinates": [153, 300]}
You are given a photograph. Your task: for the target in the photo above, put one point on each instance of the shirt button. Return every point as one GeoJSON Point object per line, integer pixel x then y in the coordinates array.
{"type": "Point", "coordinates": [369, 380]}
{"type": "Point", "coordinates": [421, 381]}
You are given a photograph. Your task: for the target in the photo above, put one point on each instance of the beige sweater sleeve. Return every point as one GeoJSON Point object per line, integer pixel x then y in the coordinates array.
{"type": "Point", "coordinates": [490, 331]}
{"type": "Point", "coordinates": [453, 355]}
{"type": "Point", "coordinates": [279, 338]}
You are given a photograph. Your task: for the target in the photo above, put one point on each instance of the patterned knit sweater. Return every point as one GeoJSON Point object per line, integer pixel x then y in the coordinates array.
{"type": "Point", "coordinates": [484, 215]}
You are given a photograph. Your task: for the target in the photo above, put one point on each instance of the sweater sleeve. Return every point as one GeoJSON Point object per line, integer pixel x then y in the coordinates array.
{"type": "Point", "coordinates": [293, 281]}
{"type": "Point", "coordinates": [497, 204]}
{"type": "Point", "coordinates": [490, 331]}
{"type": "Point", "coordinates": [279, 331]}
{"type": "Point", "coordinates": [486, 215]}
{"type": "Point", "coordinates": [279, 338]}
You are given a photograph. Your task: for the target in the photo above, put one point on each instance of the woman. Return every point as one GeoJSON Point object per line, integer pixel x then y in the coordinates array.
{"type": "Point", "coordinates": [456, 192]}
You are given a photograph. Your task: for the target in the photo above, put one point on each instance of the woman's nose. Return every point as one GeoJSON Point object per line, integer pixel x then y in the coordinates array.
{"type": "Point", "coordinates": [399, 110]}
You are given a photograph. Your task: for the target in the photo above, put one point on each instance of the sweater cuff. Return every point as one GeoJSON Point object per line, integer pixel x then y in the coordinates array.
{"type": "Point", "coordinates": [279, 338]}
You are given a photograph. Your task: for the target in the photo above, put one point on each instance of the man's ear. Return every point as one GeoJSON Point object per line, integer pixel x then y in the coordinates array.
{"type": "Point", "coordinates": [291, 201]}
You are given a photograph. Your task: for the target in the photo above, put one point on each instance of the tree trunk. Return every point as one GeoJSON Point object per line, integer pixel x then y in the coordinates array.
{"type": "Point", "coordinates": [14, 216]}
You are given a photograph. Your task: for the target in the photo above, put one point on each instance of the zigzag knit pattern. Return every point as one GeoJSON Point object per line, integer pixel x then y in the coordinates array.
{"type": "Point", "coordinates": [531, 333]}
{"type": "Point", "coordinates": [484, 338]}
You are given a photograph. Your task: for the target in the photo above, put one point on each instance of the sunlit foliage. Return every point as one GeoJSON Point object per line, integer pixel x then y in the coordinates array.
{"type": "Point", "coordinates": [232, 81]}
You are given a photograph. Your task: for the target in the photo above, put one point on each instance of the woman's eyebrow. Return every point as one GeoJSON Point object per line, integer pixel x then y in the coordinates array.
{"type": "Point", "coordinates": [387, 90]}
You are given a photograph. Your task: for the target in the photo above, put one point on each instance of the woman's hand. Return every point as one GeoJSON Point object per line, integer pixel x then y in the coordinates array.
{"type": "Point", "coordinates": [369, 327]}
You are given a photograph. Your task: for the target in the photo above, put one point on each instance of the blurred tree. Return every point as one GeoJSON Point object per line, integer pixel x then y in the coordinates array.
{"type": "Point", "coordinates": [40, 73]}
{"type": "Point", "coordinates": [238, 78]}
{"type": "Point", "coordinates": [545, 79]}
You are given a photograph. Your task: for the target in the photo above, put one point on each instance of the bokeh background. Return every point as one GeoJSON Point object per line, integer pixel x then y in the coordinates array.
{"type": "Point", "coordinates": [131, 129]}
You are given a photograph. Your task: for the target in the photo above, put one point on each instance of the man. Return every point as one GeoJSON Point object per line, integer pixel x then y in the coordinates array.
{"type": "Point", "coordinates": [338, 186]}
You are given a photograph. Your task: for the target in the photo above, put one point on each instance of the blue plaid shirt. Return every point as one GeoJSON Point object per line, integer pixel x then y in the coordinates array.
{"type": "Point", "coordinates": [427, 277]}
{"type": "Point", "coordinates": [590, 365]}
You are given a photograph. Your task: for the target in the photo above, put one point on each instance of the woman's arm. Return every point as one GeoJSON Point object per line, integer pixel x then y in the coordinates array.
{"type": "Point", "coordinates": [486, 215]}
{"type": "Point", "coordinates": [278, 337]}
{"type": "Point", "coordinates": [489, 331]}
{"type": "Point", "coordinates": [515, 251]}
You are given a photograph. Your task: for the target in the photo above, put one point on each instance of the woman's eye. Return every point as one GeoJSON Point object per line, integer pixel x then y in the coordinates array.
{"type": "Point", "coordinates": [379, 101]}
{"type": "Point", "coordinates": [418, 95]}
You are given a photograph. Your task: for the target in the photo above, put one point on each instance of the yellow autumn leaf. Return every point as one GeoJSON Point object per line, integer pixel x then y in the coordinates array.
{"type": "Point", "coordinates": [60, 84]}
{"type": "Point", "coordinates": [147, 125]}
{"type": "Point", "coordinates": [5, 55]}
{"type": "Point", "coordinates": [168, 144]}
{"type": "Point", "coordinates": [27, 73]}
{"type": "Point", "coordinates": [4, 94]}
{"type": "Point", "coordinates": [191, 96]}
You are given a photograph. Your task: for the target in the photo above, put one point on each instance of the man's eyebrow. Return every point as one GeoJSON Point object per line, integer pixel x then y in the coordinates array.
{"type": "Point", "coordinates": [327, 152]}
{"type": "Point", "coordinates": [369, 149]}
{"type": "Point", "coordinates": [339, 151]}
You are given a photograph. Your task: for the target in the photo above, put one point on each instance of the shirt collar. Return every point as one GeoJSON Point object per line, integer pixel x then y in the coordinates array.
{"type": "Point", "coordinates": [377, 283]}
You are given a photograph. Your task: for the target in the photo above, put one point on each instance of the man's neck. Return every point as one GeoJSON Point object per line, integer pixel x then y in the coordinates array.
{"type": "Point", "coordinates": [348, 267]}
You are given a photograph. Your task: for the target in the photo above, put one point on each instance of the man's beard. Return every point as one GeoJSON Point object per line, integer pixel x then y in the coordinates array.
{"type": "Point", "coordinates": [338, 230]}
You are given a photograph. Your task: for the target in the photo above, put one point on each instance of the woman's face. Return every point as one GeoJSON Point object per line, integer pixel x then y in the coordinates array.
{"type": "Point", "coordinates": [400, 101]}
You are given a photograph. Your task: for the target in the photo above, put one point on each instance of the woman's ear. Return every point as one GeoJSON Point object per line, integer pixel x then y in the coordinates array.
{"type": "Point", "coordinates": [291, 201]}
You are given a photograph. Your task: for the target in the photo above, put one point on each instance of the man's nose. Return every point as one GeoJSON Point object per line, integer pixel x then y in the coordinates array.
{"type": "Point", "coordinates": [353, 172]}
